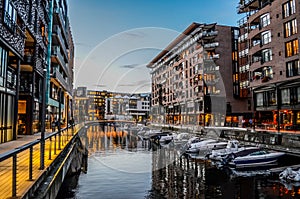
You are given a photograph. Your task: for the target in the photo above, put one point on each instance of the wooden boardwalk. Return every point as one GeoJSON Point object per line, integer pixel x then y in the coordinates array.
{"type": "Point", "coordinates": [23, 181]}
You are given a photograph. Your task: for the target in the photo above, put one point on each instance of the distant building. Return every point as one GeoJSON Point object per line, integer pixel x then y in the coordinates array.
{"type": "Point", "coordinates": [99, 105]}
{"type": "Point", "coordinates": [81, 104]}
{"type": "Point", "coordinates": [195, 78]}
{"type": "Point", "coordinates": [269, 61]}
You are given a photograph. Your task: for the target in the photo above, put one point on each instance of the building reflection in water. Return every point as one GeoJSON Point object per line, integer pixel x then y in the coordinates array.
{"type": "Point", "coordinates": [176, 176]}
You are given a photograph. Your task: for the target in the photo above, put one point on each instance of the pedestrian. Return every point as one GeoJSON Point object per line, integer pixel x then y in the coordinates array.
{"type": "Point", "coordinates": [243, 123]}
{"type": "Point", "coordinates": [250, 122]}
{"type": "Point", "coordinates": [53, 125]}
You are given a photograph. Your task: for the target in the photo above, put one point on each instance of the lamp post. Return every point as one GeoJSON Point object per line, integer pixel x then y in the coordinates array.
{"type": "Point", "coordinates": [43, 120]}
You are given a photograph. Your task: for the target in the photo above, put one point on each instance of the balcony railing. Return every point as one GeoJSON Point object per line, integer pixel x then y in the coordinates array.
{"type": "Point", "coordinates": [57, 31]}
{"type": "Point", "coordinates": [58, 76]}
{"type": "Point", "coordinates": [59, 57]}
{"type": "Point", "coordinates": [211, 45]}
{"type": "Point", "coordinates": [12, 25]}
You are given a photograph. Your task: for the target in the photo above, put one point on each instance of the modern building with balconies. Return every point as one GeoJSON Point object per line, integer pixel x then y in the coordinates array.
{"type": "Point", "coordinates": [195, 78]}
{"type": "Point", "coordinates": [269, 61]}
{"type": "Point", "coordinates": [23, 48]}
{"type": "Point", "coordinates": [61, 68]}
{"type": "Point", "coordinates": [24, 42]}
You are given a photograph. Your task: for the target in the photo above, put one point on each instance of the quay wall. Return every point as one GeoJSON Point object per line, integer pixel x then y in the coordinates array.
{"type": "Point", "coordinates": [72, 159]}
{"type": "Point", "coordinates": [284, 141]}
{"type": "Point", "coordinates": [287, 142]}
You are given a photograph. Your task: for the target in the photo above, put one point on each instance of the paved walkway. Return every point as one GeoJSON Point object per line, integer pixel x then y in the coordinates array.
{"type": "Point", "coordinates": [25, 178]}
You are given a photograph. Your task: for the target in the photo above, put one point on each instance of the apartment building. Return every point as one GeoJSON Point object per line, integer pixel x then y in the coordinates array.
{"type": "Point", "coordinates": [24, 41]}
{"type": "Point", "coordinates": [99, 105]}
{"type": "Point", "coordinates": [195, 79]}
{"type": "Point", "coordinates": [23, 48]}
{"type": "Point", "coordinates": [81, 105]}
{"type": "Point", "coordinates": [126, 106]}
{"type": "Point", "coordinates": [60, 86]}
{"type": "Point", "coordinates": [269, 61]}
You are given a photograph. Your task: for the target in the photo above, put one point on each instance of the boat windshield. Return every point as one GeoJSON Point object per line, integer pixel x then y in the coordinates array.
{"type": "Point", "coordinates": [259, 153]}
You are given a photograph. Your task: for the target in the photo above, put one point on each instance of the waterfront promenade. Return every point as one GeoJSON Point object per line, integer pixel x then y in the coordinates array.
{"type": "Point", "coordinates": [20, 160]}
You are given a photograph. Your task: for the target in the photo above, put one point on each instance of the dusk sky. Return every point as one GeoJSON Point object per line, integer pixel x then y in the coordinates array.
{"type": "Point", "coordinates": [116, 39]}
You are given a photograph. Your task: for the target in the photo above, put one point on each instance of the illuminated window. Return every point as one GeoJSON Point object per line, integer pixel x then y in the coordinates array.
{"type": "Point", "coordinates": [289, 8]}
{"type": "Point", "coordinates": [292, 48]}
{"type": "Point", "coordinates": [290, 28]}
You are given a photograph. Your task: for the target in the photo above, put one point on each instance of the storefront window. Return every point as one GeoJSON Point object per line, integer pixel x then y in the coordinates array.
{"type": "Point", "coordinates": [272, 98]}
{"type": "Point", "coordinates": [285, 96]}
{"type": "Point", "coordinates": [298, 94]}
{"type": "Point", "coordinates": [259, 99]}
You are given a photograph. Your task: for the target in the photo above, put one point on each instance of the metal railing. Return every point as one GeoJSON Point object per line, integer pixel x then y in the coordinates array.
{"type": "Point", "coordinates": [20, 167]}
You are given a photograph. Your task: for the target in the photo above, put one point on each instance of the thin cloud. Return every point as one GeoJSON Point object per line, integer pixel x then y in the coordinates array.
{"type": "Point", "coordinates": [83, 44]}
{"type": "Point", "coordinates": [100, 85]}
{"type": "Point", "coordinates": [130, 66]}
{"type": "Point", "coordinates": [135, 34]}
{"type": "Point", "coordinates": [137, 83]}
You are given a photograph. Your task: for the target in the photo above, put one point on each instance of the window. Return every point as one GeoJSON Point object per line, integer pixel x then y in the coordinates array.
{"type": "Point", "coordinates": [265, 20]}
{"type": "Point", "coordinates": [272, 98]}
{"type": "Point", "coordinates": [292, 68]}
{"type": "Point", "coordinates": [266, 55]}
{"type": "Point", "coordinates": [290, 28]}
{"type": "Point", "coordinates": [267, 72]}
{"type": "Point", "coordinates": [291, 48]}
{"type": "Point", "coordinates": [3, 65]}
{"type": "Point", "coordinates": [10, 15]}
{"type": "Point", "coordinates": [289, 8]}
{"type": "Point", "coordinates": [266, 37]}
{"type": "Point", "coordinates": [285, 96]}
{"type": "Point", "coordinates": [298, 94]}
{"type": "Point", "coordinates": [259, 99]}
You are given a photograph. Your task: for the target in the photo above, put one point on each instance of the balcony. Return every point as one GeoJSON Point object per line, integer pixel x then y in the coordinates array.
{"type": "Point", "coordinates": [247, 6]}
{"type": "Point", "coordinates": [211, 69]}
{"type": "Point", "coordinates": [209, 35]}
{"type": "Point", "coordinates": [58, 57]}
{"type": "Point", "coordinates": [212, 82]}
{"type": "Point", "coordinates": [243, 21]}
{"type": "Point", "coordinates": [211, 46]}
{"type": "Point", "coordinates": [58, 38]}
{"type": "Point", "coordinates": [60, 19]}
{"type": "Point", "coordinates": [58, 77]}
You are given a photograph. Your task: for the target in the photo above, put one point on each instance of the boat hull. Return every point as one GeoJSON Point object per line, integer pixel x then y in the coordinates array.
{"type": "Point", "coordinates": [259, 161]}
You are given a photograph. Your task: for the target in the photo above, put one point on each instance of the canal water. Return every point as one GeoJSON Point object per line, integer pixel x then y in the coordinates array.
{"type": "Point", "coordinates": [122, 166]}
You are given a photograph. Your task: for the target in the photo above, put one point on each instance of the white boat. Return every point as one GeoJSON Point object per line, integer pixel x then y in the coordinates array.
{"type": "Point", "coordinates": [205, 145]}
{"type": "Point", "coordinates": [166, 137]}
{"type": "Point", "coordinates": [143, 133]}
{"type": "Point", "coordinates": [182, 138]}
{"type": "Point", "coordinates": [231, 147]}
{"type": "Point", "coordinates": [252, 158]}
{"type": "Point", "coordinates": [290, 175]}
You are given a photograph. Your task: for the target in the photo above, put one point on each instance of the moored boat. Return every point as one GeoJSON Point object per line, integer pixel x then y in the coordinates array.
{"type": "Point", "coordinates": [206, 144]}
{"type": "Point", "coordinates": [232, 147]}
{"type": "Point", "coordinates": [255, 158]}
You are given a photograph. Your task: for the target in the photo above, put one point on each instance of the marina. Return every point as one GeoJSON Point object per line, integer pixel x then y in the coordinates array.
{"type": "Point", "coordinates": [123, 165]}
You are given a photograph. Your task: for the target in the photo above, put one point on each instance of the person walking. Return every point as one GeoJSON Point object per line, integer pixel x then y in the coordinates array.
{"type": "Point", "coordinates": [53, 125]}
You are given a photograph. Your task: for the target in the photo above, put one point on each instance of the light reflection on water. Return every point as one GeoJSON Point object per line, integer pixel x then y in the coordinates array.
{"type": "Point", "coordinates": [122, 166]}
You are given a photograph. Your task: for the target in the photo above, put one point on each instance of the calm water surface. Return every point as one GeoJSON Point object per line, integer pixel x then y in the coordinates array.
{"type": "Point", "coordinates": [121, 166]}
